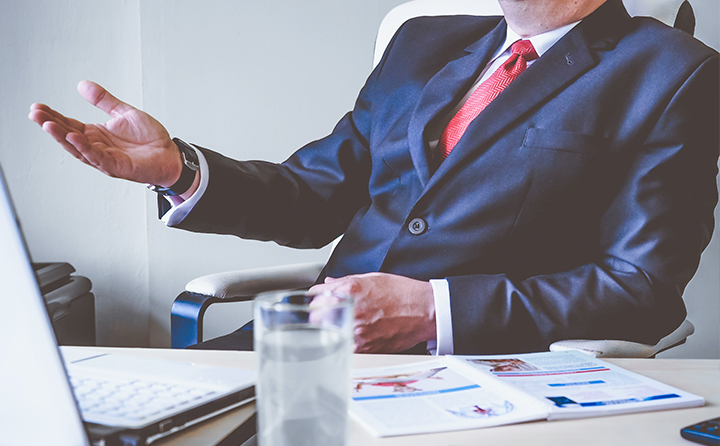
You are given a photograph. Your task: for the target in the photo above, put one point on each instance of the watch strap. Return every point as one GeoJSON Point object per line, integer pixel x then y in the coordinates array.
{"type": "Point", "coordinates": [189, 167]}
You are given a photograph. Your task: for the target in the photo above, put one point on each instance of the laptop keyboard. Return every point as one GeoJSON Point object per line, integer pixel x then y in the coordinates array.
{"type": "Point", "coordinates": [118, 401]}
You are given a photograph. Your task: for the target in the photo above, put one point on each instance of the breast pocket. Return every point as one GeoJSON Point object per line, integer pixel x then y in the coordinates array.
{"type": "Point", "coordinates": [570, 142]}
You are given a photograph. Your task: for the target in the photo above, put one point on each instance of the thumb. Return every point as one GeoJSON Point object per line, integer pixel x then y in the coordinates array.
{"type": "Point", "coordinates": [102, 99]}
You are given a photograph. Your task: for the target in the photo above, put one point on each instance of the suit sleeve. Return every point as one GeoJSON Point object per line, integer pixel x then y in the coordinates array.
{"type": "Point", "coordinates": [651, 239]}
{"type": "Point", "coordinates": [272, 202]}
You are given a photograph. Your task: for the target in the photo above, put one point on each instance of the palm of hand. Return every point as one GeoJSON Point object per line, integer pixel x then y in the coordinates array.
{"type": "Point", "coordinates": [129, 145]}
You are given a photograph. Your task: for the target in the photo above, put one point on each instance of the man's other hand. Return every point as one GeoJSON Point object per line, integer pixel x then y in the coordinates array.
{"type": "Point", "coordinates": [392, 313]}
{"type": "Point", "coordinates": [132, 145]}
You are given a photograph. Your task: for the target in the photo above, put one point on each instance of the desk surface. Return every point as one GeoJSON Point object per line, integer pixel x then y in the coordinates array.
{"type": "Point", "coordinates": [698, 376]}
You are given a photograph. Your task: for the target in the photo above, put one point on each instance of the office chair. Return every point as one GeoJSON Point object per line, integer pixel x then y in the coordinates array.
{"type": "Point", "coordinates": [189, 307]}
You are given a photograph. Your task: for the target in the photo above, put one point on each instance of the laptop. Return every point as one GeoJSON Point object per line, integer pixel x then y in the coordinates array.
{"type": "Point", "coordinates": [72, 397]}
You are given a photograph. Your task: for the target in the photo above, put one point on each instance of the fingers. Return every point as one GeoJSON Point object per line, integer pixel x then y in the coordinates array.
{"type": "Point", "coordinates": [52, 122]}
{"type": "Point", "coordinates": [102, 99]}
{"type": "Point", "coordinates": [41, 113]}
{"type": "Point", "coordinates": [70, 141]}
{"type": "Point", "coordinates": [325, 299]}
{"type": "Point", "coordinates": [67, 132]}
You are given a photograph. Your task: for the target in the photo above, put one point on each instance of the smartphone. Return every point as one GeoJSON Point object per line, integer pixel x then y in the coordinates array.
{"type": "Point", "coordinates": [706, 432]}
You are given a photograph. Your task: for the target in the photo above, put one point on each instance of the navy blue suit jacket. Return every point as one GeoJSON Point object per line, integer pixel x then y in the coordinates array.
{"type": "Point", "coordinates": [575, 206]}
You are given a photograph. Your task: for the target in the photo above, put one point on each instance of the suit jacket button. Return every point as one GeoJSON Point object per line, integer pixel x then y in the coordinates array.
{"type": "Point", "coordinates": [417, 226]}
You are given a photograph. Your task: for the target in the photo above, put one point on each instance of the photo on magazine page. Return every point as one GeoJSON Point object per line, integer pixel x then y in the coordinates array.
{"type": "Point", "coordinates": [432, 397]}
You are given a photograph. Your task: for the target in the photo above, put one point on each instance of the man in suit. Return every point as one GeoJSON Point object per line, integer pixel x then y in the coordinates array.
{"type": "Point", "coordinates": [575, 204]}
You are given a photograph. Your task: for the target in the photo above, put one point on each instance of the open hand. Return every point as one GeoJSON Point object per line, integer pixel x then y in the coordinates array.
{"type": "Point", "coordinates": [132, 145]}
{"type": "Point", "coordinates": [392, 313]}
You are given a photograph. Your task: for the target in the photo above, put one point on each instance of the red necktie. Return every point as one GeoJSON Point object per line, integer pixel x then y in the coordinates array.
{"type": "Point", "coordinates": [522, 52]}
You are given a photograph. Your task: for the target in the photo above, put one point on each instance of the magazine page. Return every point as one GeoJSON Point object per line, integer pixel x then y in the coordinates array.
{"type": "Point", "coordinates": [576, 385]}
{"type": "Point", "coordinates": [432, 397]}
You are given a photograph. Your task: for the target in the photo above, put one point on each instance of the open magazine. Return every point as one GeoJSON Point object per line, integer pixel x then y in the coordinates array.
{"type": "Point", "coordinates": [468, 392]}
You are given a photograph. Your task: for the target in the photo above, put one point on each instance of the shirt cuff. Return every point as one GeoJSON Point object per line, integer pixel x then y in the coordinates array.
{"type": "Point", "coordinates": [180, 210]}
{"type": "Point", "coordinates": [443, 345]}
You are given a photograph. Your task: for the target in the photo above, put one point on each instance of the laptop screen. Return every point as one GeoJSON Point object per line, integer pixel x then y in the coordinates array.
{"type": "Point", "coordinates": [37, 406]}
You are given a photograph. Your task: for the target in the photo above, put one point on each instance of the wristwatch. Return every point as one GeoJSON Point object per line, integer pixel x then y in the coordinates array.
{"type": "Point", "coordinates": [187, 176]}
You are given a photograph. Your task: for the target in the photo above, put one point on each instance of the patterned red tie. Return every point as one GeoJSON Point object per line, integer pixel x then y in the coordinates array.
{"type": "Point", "coordinates": [522, 52]}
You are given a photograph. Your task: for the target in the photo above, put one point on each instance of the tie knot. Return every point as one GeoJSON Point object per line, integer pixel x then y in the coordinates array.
{"type": "Point", "coordinates": [525, 49]}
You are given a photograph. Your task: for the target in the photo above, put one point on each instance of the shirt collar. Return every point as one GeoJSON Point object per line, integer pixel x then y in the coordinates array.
{"type": "Point", "coordinates": [541, 42]}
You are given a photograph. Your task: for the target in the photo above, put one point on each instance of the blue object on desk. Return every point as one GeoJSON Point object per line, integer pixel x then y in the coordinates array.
{"type": "Point", "coordinates": [706, 432]}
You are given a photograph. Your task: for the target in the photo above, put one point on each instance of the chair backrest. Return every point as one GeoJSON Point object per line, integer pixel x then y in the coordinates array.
{"type": "Point", "coordinates": [663, 10]}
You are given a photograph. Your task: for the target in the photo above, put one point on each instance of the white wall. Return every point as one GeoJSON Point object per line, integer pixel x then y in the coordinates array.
{"type": "Point", "coordinates": [68, 211]}
{"type": "Point", "coordinates": [220, 73]}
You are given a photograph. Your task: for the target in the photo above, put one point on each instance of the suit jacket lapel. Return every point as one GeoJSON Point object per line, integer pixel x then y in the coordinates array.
{"type": "Point", "coordinates": [443, 91]}
{"type": "Point", "coordinates": [565, 61]}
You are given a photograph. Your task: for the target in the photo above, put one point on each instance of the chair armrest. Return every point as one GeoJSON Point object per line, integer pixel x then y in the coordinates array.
{"type": "Point", "coordinates": [626, 349]}
{"type": "Point", "coordinates": [251, 282]}
{"type": "Point", "coordinates": [188, 309]}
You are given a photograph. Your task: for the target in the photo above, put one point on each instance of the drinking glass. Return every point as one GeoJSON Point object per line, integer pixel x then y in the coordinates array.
{"type": "Point", "coordinates": [303, 347]}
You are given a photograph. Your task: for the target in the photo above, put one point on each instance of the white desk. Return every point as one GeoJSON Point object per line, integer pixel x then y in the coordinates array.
{"type": "Point", "coordinates": [701, 377]}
